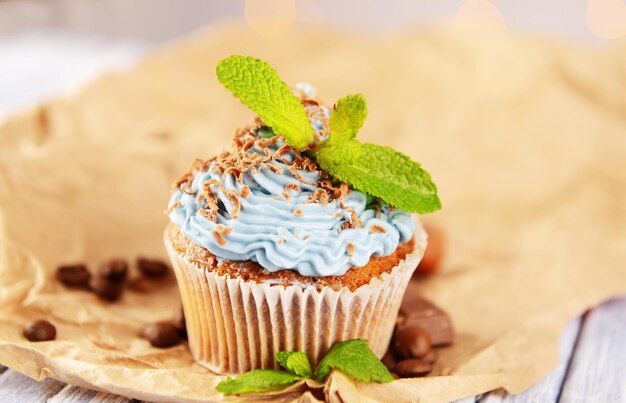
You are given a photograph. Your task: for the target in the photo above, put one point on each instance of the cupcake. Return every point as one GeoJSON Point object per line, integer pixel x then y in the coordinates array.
{"type": "Point", "coordinates": [296, 237]}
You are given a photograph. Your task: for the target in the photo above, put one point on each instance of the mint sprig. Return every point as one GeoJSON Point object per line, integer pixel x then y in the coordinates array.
{"type": "Point", "coordinates": [347, 118]}
{"type": "Point", "coordinates": [258, 380]}
{"type": "Point", "coordinates": [352, 357]}
{"type": "Point", "coordinates": [258, 86]}
{"type": "Point", "coordinates": [355, 358]}
{"type": "Point", "coordinates": [380, 171]}
{"type": "Point", "coordinates": [295, 362]}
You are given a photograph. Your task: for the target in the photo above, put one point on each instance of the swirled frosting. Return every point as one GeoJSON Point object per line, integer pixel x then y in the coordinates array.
{"type": "Point", "coordinates": [266, 202]}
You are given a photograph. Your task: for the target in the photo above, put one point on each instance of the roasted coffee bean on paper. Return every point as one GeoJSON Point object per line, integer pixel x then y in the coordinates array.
{"type": "Point", "coordinates": [105, 289]}
{"type": "Point", "coordinates": [181, 324]}
{"type": "Point", "coordinates": [161, 334]}
{"type": "Point", "coordinates": [412, 342]}
{"type": "Point", "coordinates": [114, 270]}
{"type": "Point", "coordinates": [413, 368]}
{"type": "Point", "coordinates": [431, 357]}
{"type": "Point", "coordinates": [73, 276]}
{"type": "Point", "coordinates": [389, 360]}
{"type": "Point", "coordinates": [40, 330]}
{"type": "Point", "coordinates": [152, 268]}
{"type": "Point", "coordinates": [434, 251]}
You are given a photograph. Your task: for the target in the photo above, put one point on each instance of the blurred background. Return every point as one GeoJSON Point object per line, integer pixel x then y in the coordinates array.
{"type": "Point", "coordinates": [51, 46]}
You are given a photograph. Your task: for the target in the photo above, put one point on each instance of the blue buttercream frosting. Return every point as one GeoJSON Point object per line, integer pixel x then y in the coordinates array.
{"type": "Point", "coordinates": [275, 219]}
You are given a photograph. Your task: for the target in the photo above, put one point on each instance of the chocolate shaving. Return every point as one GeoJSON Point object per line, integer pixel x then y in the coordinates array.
{"type": "Point", "coordinates": [245, 191]}
{"type": "Point", "coordinates": [378, 213]}
{"type": "Point", "coordinates": [377, 229]}
{"type": "Point", "coordinates": [292, 186]}
{"type": "Point", "coordinates": [173, 207]}
{"type": "Point", "coordinates": [234, 198]}
{"type": "Point", "coordinates": [350, 249]}
{"type": "Point", "coordinates": [220, 232]}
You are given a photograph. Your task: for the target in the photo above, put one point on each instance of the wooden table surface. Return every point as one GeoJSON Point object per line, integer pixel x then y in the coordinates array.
{"type": "Point", "coordinates": [592, 369]}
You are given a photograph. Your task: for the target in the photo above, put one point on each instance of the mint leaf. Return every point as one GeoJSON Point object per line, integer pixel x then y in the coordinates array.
{"type": "Point", "coordinates": [347, 118]}
{"type": "Point", "coordinates": [258, 86]}
{"type": "Point", "coordinates": [382, 172]}
{"type": "Point", "coordinates": [258, 380]}
{"type": "Point", "coordinates": [356, 359]}
{"type": "Point", "coordinates": [295, 362]}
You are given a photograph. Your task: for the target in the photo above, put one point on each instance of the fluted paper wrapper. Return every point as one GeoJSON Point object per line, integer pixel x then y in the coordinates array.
{"type": "Point", "coordinates": [235, 326]}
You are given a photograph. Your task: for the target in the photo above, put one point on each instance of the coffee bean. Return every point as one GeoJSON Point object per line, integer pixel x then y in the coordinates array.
{"type": "Point", "coordinates": [40, 330]}
{"type": "Point", "coordinates": [431, 357]}
{"type": "Point", "coordinates": [114, 270]}
{"type": "Point", "coordinates": [73, 276]}
{"type": "Point", "coordinates": [181, 324]}
{"type": "Point", "coordinates": [161, 334]}
{"type": "Point", "coordinates": [412, 342]}
{"type": "Point", "coordinates": [105, 289]}
{"type": "Point", "coordinates": [141, 284]}
{"type": "Point", "coordinates": [152, 268]}
{"type": "Point", "coordinates": [434, 251]}
{"type": "Point", "coordinates": [389, 360]}
{"type": "Point", "coordinates": [412, 368]}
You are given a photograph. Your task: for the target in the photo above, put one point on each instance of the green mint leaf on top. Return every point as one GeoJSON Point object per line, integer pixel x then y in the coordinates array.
{"type": "Point", "coordinates": [295, 362]}
{"type": "Point", "coordinates": [258, 380]}
{"type": "Point", "coordinates": [356, 359]}
{"type": "Point", "coordinates": [347, 118]}
{"type": "Point", "coordinates": [258, 86]}
{"type": "Point", "coordinates": [382, 172]}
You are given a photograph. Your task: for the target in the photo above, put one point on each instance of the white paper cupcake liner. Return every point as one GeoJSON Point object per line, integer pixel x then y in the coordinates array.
{"type": "Point", "coordinates": [235, 326]}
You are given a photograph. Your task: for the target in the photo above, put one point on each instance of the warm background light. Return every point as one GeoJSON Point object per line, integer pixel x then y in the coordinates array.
{"type": "Point", "coordinates": [270, 17]}
{"type": "Point", "coordinates": [480, 15]}
{"type": "Point", "coordinates": [607, 18]}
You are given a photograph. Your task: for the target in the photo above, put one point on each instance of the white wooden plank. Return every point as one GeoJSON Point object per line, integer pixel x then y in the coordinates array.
{"type": "Point", "coordinates": [18, 388]}
{"type": "Point", "coordinates": [598, 370]}
{"type": "Point", "coordinates": [76, 394]}
{"type": "Point", "coordinates": [548, 389]}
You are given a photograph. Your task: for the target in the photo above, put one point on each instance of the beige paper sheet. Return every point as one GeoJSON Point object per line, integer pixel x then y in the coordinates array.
{"type": "Point", "coordinates": [525, 137]}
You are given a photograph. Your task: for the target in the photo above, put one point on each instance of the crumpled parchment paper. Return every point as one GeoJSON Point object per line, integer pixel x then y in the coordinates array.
{"type": "Point", "coordinates": [525, 137]}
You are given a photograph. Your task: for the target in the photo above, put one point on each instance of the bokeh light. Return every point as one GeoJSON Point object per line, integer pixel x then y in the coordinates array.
{"type": "Point", "coordinates": [607, 18]}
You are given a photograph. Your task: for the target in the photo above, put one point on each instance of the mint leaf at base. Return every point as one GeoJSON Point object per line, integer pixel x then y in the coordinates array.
{"type": "Point", "coordinates": [382, 172]}
{"type": "Point", "coordinates": [354, 358]}
{"type": "Point", "coordinates": [295, 362]}
{"type": "Point", "coordinates": [257, 381]}
{"type": "Point", "coordinates": [258, 86]}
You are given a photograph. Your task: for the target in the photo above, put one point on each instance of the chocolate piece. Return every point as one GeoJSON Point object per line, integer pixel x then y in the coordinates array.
{"type": "Point", "coordinates": [411, 342]}
{"type": "Point", "coordinates": [412, 368]}
{"type": "Point", "coordinates": [152, 268]}
{"type": "Point", "coordinates": [40, 330]}
{"type": "Point", "coordinates": [105, 289]}
{"type": "Point", "coordinates": [114, 270]}
{"type": "Point", "coordinates": [73, 276]}
{"type": "Point", "coordinates": [389, 360]}
{"type": "Point", "coordinates": [421, 313]}
{"type": "Point", "coordinates": [161, 334]}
